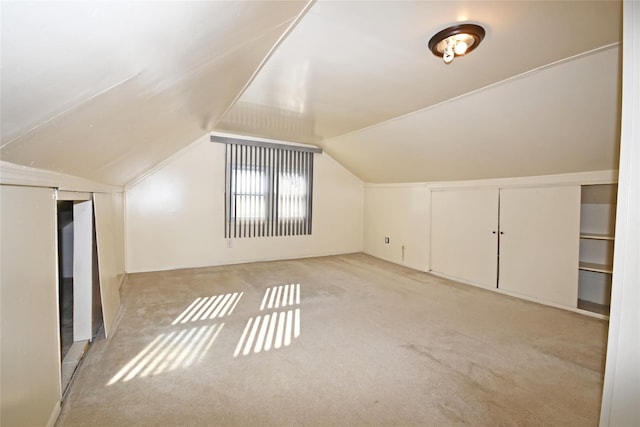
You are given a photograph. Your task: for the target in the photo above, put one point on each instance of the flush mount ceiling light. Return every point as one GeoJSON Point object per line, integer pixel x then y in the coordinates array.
{"type": "Point", "coordinates": [456, 40]}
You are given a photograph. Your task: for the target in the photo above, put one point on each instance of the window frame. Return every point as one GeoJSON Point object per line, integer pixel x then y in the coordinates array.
{"type": "Point", "coordinates": [278, 167]}
{"type": "Point", "coordinates": [232, 206]}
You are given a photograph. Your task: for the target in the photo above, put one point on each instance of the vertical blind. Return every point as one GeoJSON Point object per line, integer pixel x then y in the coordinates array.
{"type": "Point", "coordinates": [268, 191]}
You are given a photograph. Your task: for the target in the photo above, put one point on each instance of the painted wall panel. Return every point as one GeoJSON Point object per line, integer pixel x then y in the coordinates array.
{"type": "Point", "coordinates": [109, 216]}
{"type": "Point", "coordinates": [464, 239]}
{"type": "Point", "coordinates": [30, 366]}
{"type": "Point", "coordinates": [539, 242]}
{"type": "Point", "coordinates": [400, 213]}
{"type": "Point", "coordinates": [175, 216]}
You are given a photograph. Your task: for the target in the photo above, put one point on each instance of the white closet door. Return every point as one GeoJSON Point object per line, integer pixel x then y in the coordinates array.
{"type": "Point", "coordinates": [82, 270]}
{"type": "Point", "coordinates": [539, 242]}
{"type": "Point", "coordinates": [463, 235]}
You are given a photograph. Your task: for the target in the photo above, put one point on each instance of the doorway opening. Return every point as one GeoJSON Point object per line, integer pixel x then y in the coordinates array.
{"type": "Point", "coordinates": [65, 275]}
{"type": "Point", "coordinates": [79, 302]}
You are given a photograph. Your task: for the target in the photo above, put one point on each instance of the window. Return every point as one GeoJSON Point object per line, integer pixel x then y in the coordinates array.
{"type": "Point", "coordinates": [268, 189]}
{"type": "Point", "coordinates": [249, 193]}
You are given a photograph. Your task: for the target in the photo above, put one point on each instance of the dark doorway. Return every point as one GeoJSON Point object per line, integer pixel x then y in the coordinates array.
{"type": "Point", "coordinates": [65, 275]}
{"type": "Point", "coordinates": [80, 305]}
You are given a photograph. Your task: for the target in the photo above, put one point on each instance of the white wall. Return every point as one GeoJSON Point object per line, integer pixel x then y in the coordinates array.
{"type": "Point", "coordinates": [400, 212]}
{"type": "Point", "coordinates": [175, 216]}
{"type": "Point", "coordinates": [30, 367]}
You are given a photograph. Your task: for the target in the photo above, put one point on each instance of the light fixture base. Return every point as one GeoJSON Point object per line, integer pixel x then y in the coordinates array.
{"type": "Point", "coordinates": [456, 40]}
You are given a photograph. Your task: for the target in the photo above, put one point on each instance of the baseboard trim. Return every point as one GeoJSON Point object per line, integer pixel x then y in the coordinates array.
{"type": "Point", "coordinates": [524, 297]}
{"type": "Point", "coordinates": [239, 261]}
{"type": "Point", "coordinates": [123, 280]}
{"type": "Point", "coordinates": [57, 408]}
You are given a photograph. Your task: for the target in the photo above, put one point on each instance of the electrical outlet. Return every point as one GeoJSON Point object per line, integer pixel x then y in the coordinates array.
{"type": "Point", "coordinates": [386, 240]}
{"type": "Point", "coordinates": [229, 243]}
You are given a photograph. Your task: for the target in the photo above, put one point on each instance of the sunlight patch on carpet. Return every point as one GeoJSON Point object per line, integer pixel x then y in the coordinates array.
{"type": "Point", "coordinates": [273, 330]}
{"type": "Point", "coordinates": [168, 352]}
{"type": "Point", "coordinates": [206, 308]}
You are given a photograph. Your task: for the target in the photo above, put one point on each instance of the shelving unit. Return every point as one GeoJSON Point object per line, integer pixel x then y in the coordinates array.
{"type": "Point", "coordinates": [596, 236]}
{"type": "Point", "coordinates": [597, 268]}
{"type": "Point", "coordinates": [597, 222]}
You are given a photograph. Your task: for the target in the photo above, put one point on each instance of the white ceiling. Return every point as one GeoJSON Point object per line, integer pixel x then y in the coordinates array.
{"type": "Point", "coordinates": [108, 90]}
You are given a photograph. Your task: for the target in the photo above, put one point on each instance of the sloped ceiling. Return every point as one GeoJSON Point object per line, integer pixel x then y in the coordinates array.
{"type": "Point", "coordinates": [561, 119]}
{"type": "Point", "coordinates": [106, 91]}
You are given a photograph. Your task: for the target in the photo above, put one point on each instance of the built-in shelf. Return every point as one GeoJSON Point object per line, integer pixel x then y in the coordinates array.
{"type": "Point", "coordinates": [593, 307]}
{"type": "Point", "coordinates": [598, 268]}
{"type": "Point", "coordinates": [597, 229]}
{"type": "Point", "coordinates": [596, 236]}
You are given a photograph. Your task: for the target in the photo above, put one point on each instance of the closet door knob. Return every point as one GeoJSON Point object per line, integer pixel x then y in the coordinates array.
{"type": "Point", "coordinates": [493, 232]}
{"type": "Point", "coordinates": [502, 232]}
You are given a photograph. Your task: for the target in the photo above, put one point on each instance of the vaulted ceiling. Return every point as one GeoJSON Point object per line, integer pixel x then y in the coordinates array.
{"type": "Point", "coordinates": [108, 90]}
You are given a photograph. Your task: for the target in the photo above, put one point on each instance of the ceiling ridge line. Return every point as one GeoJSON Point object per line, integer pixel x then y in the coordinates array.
{"type": "Point", "coordinates": [234, 49]}
{"type": "Point", "coordinates": [277, 44]}
{"type": "Point", "coordinates": [483, 88]}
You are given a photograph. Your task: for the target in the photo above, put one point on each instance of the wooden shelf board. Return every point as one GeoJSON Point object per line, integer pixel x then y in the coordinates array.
{"type": "Point", "coordinates": [593, 307]}
{"type": "Point", "coordinates": [598, 268]}
{"type": "Point", "coordinates": [596, 236]}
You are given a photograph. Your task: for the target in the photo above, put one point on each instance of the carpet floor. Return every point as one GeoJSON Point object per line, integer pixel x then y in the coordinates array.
{"type": "Point", "coordinates": [344, 341]}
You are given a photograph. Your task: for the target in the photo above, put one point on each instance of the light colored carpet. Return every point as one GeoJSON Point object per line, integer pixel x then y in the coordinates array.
{"type": "Point", "coordinates": [377, 344]}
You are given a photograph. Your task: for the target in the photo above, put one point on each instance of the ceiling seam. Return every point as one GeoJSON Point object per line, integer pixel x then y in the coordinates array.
{"type": "Point", "coordinates": [67, 111]}
{"type": "Point", "coordinates": [284, 35]}
{"type": "Point", "coordinates": [489, 86]}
